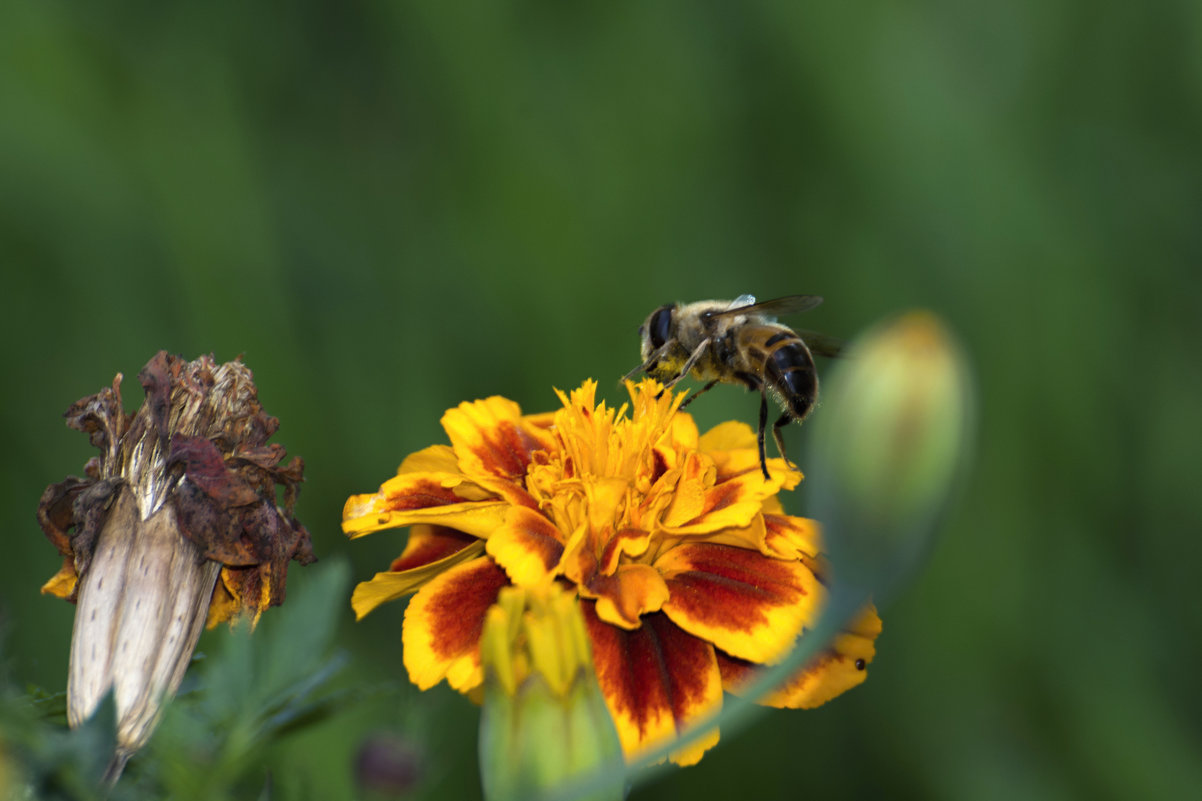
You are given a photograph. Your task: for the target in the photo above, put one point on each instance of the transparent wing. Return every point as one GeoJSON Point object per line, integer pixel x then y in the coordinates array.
{"type": "Point", "coordinates": [790, 304]}
{"type": "Point", "coordinates": [821, 344]}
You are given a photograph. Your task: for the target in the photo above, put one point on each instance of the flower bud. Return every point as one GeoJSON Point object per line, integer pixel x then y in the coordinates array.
{"type": "Point", "coordinates": [544, 721]}
{"type": "Point", "coordinates": [887, 447]}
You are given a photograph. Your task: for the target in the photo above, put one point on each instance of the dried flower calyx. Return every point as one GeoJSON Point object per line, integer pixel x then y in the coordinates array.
{"type": "Point", "coordinates": [199, 445]}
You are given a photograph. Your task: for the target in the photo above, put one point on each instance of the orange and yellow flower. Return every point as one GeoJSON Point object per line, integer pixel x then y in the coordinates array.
{"type": "Point", "coordinates": [689, 573]}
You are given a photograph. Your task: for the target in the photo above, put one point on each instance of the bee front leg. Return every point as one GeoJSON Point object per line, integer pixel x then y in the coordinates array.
{"type": "Point", "coordinates": [694, 396]}
{"type": "Point", "coordinates": [694, 357]}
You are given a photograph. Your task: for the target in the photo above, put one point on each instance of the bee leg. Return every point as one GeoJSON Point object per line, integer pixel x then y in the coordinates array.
{"type": "Point", "coordinates": [781, 422]}
{"type": "Point", "coordinates": [760, 433]}
{"type": "Point", "coordinates": [693, 397]}
{"type": "Point", "coordinates": [694, 357]}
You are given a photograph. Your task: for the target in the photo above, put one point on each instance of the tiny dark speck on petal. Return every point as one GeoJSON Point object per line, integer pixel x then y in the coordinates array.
{"type": "Point", "coordinates": [860, 665]}
{"type": "Point", "coordinates": [100, 583]}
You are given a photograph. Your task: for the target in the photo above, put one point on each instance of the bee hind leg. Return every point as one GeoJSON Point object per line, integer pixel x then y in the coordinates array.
{"type": "Point", "coordinates": [780, 423]}
{"type": "Point", "coordinates": [760, 434]}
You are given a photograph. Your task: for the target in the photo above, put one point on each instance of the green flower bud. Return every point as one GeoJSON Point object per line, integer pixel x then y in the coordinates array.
{"type": "Point", "coordinates": [887, 448]}
{"type": "Point", "coordinates": [544, 721]}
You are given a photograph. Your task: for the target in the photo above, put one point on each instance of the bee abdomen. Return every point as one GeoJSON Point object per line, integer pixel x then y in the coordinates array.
{"type": "Point", "coordinates": [790, 369]}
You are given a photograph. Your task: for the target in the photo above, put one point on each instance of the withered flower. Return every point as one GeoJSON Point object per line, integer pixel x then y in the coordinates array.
{"type": "Point", "coordinates": [176, 524]}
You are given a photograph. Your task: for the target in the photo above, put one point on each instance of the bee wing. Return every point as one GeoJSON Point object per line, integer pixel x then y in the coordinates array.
{"type": "Point", "coordinates": [821, 344]}
{"type": "Point", "coordinates": [790, 304]}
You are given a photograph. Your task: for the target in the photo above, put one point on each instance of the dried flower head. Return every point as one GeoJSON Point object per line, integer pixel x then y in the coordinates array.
{"type": "Point", "coordinates": [175, 523]}
{"type": "Point", "coordinates": [689, 573]}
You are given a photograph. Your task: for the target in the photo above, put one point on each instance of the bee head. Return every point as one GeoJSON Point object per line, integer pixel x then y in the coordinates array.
{"type": "Point", "coordinates": [657, 330]}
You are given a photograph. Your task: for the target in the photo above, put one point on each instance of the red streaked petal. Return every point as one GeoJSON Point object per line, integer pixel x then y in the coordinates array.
{"type": "Point", "coordinates": [527, 546]}
{"type": "Point", "coordinates": [831, 673]}
{"type": "Point", "coordinates": [491, 440]}
{"type": "Point", "coordinates": [443, 623]}
{"type": "Point", "coordinates": [656, 679]}
{"type": "Point", "coordinates": [745, 603]}
{"type": "Point", "coordinates": [429, 544]}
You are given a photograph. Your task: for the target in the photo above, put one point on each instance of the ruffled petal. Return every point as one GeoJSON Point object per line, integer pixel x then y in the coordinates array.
{"type": "Point", "coordinates": [443, 623]}
{"type": "Point", "coordinates": [491, 440]}
{"type": "Point", "coordinates": [831, 673]}
{"type": "Point", "coordinates": [528, 546]}
{"type": "Point", "coordinates": [749, 605]}
{"type": "Point", "coordinates": [628, 594]}
{"type": "Point", "coordinates": [703, 507]}
{"type": "Point", "coordinates": [656, 679]}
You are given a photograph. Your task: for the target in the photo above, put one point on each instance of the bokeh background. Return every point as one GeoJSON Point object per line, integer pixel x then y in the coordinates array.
{"type": "Point", "coordinates": [392, 207]}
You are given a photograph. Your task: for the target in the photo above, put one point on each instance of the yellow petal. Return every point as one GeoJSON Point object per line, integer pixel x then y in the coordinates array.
{"type": "Point", "coordinates": [390, 585]}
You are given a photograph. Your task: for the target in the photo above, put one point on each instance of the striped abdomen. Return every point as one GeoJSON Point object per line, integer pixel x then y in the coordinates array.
{"type": "Point", "coordinates": [783, 362]}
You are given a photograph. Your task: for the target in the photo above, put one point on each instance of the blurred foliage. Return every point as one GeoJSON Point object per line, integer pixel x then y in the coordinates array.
{"type": "Point", "coordinates": [393, 207]}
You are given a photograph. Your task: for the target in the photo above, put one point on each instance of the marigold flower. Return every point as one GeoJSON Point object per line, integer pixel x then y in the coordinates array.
{"type": "Point", "coordinates": [689, 572]}
{"type": "Point", "coordinates": [176, 522]}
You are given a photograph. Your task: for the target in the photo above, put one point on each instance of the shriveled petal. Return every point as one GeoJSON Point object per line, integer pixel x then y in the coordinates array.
{"type": "Point", "coordinates": [656, 679]}
{"type": "Point", "coordinates": [527, 545]}
{"type": "Point", "coordinates": [393, 584]}
{"type": "Point", "coordinates": [745, 603]}
{"type": "Point", "coordinates": [436, 498]}
{"type": "Point", "coordinates": [443, 623]}
{"type": "Point", "coordinates": [62, 584]}
{"type": "Point", "coordinates": [491, 440]}
{"type": "Point", "coordinates": [831, 673]}
{"type": "Point", "coordinates": [627, 594]}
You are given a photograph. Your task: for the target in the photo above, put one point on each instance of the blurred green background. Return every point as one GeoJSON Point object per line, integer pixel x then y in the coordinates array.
{"type": "Point", "coordinates": [392, 207]}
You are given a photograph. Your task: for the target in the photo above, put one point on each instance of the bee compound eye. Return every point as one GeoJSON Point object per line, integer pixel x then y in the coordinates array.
{"type": "Point", "coordinates": [659, 325]}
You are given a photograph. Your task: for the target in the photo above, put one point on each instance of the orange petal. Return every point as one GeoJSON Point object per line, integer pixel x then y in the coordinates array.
{"type": "Point", "coordinates": [656, 679]}
{"type": "Point", "coordinates": [443, 623]}
{"type": "Point", "coordinates": [632, 591]}
{"type": "Point", "coordinates": [832, 672]}
{"type": "Point", "coordinates": [491, 440]}
{"type": "Point", "coordinates": [528, 546]}
{"type": "Point", "coordinates": [745, 603]}
{"type": "Point", "coordinates": [728, 436]}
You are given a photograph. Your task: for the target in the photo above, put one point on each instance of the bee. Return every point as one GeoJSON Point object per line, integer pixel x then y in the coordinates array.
{"type": "Point", "coordinates": [738, 342]}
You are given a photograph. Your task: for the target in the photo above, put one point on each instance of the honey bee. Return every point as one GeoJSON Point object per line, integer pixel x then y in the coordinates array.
{"type": "Point", "coordinates": [738, 342]}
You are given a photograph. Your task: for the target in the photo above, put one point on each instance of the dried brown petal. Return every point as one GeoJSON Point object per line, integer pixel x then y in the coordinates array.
{"type": "Point", "coordinates": [180, 502]}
